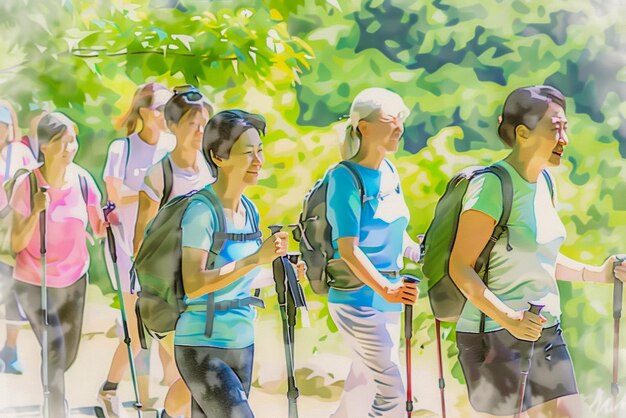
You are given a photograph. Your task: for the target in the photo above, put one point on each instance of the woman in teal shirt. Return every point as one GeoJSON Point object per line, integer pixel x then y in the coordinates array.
{"type": "Point", "coordinates": [523, 267]}
{"type": "Point", "coordinates": [214, 352]}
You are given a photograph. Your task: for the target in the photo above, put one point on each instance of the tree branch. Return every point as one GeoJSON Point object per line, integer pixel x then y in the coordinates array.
{"type": "Point", "coordinates": [93, 52]}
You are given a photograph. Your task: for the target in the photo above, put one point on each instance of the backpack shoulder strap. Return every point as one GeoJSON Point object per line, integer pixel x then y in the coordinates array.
{"type": "Point", "coordinates": [32, 179]}
{"type": "Point", "coordinates": [218, 234]}
{"type": "Point", "coordinates": [168, 179]}
{"type": "Point", "coordinates": [356, 176]}
{"type": "Point", "coordinates": [84, 189]}
{"type": "Point", "coordinates": [501, 227]}
{"type": "Point", "coordinates": [550, 184]}
{"type": "Point", "coordinates": [507, 191]}
{"type": "Point", "coordinates": [127, 140]}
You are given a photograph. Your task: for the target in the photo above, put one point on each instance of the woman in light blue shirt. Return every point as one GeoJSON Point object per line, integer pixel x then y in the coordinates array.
{"type": "Point", "coordinates": [214, 348]}
{"type": "Point", "coordinates": [369, 237]}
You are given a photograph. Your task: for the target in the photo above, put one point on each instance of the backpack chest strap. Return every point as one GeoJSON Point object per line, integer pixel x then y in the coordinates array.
{"type": "Point", "coordinates": [229, 236]}
{"type": "Point", "coordinates": [224, 305]}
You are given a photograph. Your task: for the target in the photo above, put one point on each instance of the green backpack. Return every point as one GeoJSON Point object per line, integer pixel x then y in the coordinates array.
{"type": "Point", "coordinates": [446, 300]}
{"type": "Point", "coordinates": [158, 266]}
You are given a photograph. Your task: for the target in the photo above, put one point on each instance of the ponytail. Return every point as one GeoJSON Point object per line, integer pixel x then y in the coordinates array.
{"type": "Point", "coordinates": [351, 142]}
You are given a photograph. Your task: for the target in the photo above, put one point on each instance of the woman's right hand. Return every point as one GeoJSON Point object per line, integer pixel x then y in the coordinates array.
{"type": "Point", "coordinates": [41, 201]}
{"type": "Point", "coordinates": [274, 246]}
{"type": "Point", "coordinates": [524, 325]}
{"type": "Point", "coordinates": [402, 292]}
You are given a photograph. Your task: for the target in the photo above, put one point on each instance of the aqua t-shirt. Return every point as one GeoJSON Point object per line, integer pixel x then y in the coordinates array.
{"type": "Point", "coordinates": [535, 232]}
{"type": "Point", "coordinates": [379, 223]}
{"type": "Point", "coordinates": [231, 328]}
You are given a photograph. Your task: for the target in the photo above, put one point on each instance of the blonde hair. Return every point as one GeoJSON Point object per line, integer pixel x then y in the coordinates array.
{"type": "Point", "coordinates": [143, 97]}
{"type": "Point", "coordinates": [364, 105]}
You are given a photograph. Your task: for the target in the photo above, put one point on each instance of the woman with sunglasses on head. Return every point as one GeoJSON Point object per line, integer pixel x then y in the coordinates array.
{"type": "Point", "coordinates": [370, 239]}
{"type": "Point", "coordinates": [214, 352]}
{"type": "Point", "coordinates": [71, 200]}
{"type": "Point", "coordinates": [13, 156]}
{"type": "Point", "coordinates": [182, 171]}
{"type": "Point", "coordinates": [128, 160]}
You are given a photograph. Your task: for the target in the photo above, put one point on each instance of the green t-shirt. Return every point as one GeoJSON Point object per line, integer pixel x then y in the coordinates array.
{"type": "Point", "coordinates": [527, 272]}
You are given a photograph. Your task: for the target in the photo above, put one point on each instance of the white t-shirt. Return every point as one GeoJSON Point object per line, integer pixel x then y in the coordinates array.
{"type": "Point", "coordinates": [183, 182]}
{"type": "Point", "coordinates": [132, 167]}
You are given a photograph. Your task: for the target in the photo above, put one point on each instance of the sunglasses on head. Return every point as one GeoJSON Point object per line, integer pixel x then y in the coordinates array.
{"type": "Point", "coordinates": [189, 92]}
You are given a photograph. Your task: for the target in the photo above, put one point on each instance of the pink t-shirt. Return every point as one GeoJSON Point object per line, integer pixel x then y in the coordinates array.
{"type": "Point", "coordinates": [67, 258]}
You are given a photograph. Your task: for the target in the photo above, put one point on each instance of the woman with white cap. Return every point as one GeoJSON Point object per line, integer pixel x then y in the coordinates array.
{"type": "Point", "coordinates": [369, 237]}
{"type": "Point", "coordinates": [13, 156]}
{"type": "Point", "coordinates": [128, 160]}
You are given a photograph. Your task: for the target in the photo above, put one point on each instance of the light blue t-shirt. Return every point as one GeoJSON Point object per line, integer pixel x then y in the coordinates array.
{"type": "Point", "coordinates": [535, 232]}
{"type": "Point", "coordinates": [231, 328]}
{"type": "Point", "coordinates": [380, 224]}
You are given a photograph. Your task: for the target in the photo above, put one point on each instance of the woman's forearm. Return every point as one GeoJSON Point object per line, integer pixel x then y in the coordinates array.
{"type": "Point", "coordinates": [363, 268]}
{"type": "Point", "coordinates": [199, 283]}
{"type": "Point", "coordinates": [473, 288]}
{"type": "Point", "coordinates": [570, 270]}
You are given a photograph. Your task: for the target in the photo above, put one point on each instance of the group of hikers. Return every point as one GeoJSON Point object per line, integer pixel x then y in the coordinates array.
{"type": "Point", "coordinates": [182, 163]}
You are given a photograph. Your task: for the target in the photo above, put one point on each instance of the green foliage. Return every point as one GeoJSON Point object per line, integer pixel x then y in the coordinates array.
{"type": "Point", "coordinates": [299, 63]}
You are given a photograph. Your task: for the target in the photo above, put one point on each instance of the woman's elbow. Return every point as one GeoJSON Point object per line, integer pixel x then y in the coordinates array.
{"type": "Point", "coordinates": [457, 271]}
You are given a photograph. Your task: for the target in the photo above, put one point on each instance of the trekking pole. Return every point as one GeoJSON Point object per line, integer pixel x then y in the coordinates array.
{"type": "Point", "coordinates": [408, 333]}
{"type": "Point", "coordinates": [110, 206]}
{"type": "Point", "coordinates": [44, 311]}
{"type": "Point", "coordinates": [618, 290]}
{"type": "Point", "coordinates": [280, 280]}
{"type": "Point", "coordinates": [525, 365]}
{"type": "Point", "coordinates": [442, 382]}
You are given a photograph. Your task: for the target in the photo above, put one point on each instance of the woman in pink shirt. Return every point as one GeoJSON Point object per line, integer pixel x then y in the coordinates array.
{"type": "Point", "coordinates": [71, 202]}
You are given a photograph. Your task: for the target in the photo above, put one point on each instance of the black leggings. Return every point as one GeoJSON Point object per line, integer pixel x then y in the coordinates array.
{"type": "Point", "coordinates": [219, 380]}
{"type": "Point", "coordinates": [65, 320]}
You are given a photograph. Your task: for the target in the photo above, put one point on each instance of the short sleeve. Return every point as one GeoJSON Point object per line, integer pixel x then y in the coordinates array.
{"type": "Point", "coordinates": [343, 202]}
{"type": "Point", "coordinates": [115, 165]}
{"type": "Point", "coordinates": [20, 199]}
{"type": "Point", "coordinates": [484, 194]}
{"type": "Point", "coordinates": [198, 226]}
{"type": "Point", "coordinates": [153, 182]}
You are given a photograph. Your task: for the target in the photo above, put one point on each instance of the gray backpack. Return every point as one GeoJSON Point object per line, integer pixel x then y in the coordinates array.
{"type": "Point", "coordinates": [314, 232]}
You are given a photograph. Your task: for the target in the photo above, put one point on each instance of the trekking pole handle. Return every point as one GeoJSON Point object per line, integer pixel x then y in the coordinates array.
{"type": "Point", "coordinates": [275, 228]}
{"type": "Point", "coordinates": [293, 257]}
{"type": "Point", "coordinates": [110, 207]}
{"type": "Point", "coordinates": [618, 290]}
{"type": "Point", "coordinates": [408, 309]}
{"type": "Point", "coordinates": [42, 225]}
{"type": "Point", "coordinates": [535, 308]}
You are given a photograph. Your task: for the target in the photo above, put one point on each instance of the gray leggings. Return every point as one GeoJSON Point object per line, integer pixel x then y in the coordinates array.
{"type": "Point", "coordinates": [219, 380]}
{"type": "Point", "coordinates": [65, 320]}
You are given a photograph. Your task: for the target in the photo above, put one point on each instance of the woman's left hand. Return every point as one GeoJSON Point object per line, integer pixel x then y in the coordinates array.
{"type": "Point", "coordinates": [609, 272]}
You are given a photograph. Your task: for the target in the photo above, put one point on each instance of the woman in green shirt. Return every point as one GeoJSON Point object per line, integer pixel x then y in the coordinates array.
{"type": "Point", "coordinates": [523, 267]}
